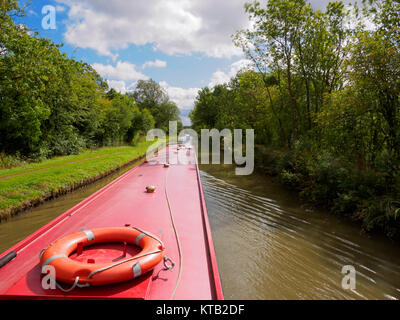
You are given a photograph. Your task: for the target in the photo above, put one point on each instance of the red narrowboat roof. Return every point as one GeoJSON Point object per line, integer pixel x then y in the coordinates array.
{"type": "Point", "coordinates": [125, 202]}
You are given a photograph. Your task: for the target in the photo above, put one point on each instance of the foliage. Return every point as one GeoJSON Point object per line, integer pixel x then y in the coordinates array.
{"type": "Point", "coordinates": [149, 95]}
{"type": "Point", "coordinates": [324, 94]}
{"type": "Point", "coordinates": [52, 105]}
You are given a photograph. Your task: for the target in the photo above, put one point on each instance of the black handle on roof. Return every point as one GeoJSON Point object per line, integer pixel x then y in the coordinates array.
{"type": "Point", "coordinates": [7, 258]}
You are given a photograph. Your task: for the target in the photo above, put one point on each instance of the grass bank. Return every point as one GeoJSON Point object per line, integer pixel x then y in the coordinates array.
{"type": "Point", "coordinates": [29, 185]}
{"type": "Point", "coordinates": [371, 197]}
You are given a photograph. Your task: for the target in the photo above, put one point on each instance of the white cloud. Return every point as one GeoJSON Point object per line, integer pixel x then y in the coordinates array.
{"type": "Point", "coordinates": [155, 64]}
{"type": "Point", "coordinates": [118, 85]}
{"type": "Point", "coordinates": [186, 121]}
{"type": "Point", "coordinates": [124, 76]}
{"type": "Point", "coordinates": [121, 77]}
{"type": "Point", "coordinates": [60, 8]}
{"type": "Point", "coordinates": [122, 71]}
{"type": "Point", "coordinates": [173, 27]}
{"type": "Point", "coordinates": [184, 98]}
{"type": "Point", "coordinates": [220, 77]}
{"type": "Point", "coordinates": [321, 4]}
{"type": "Point", "coordinates": [32, 12]}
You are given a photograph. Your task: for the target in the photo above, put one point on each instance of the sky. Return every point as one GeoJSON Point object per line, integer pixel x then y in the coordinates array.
{"type": "Point", "coordinates": [184, 45]}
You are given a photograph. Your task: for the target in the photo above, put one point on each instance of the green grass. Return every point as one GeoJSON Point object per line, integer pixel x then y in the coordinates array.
{"type": "Point", "coordinates": [65, 159]}
{"type": "Point", "coordinates": [19, 185]}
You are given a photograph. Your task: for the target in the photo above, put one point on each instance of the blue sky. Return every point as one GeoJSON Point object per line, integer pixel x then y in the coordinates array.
{"type": "Point", "coordinates": [182, 44]}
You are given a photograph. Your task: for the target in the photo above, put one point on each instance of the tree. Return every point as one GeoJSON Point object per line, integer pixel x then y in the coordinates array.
{"type": "Point", "coordinates": [142, 122]}
{"type": "Point", "coordinates": [51, 104]}
{"type": "Point", "coordinates": [149, 95]}
{"type": "Point", "coordinates": [205, 112]}
{"type": "Point", "coordinates": [272, 43]}
{"type": "Point", "coordinates": [301, 50]}
{"type": "Point", "coordinates": [22, 80]}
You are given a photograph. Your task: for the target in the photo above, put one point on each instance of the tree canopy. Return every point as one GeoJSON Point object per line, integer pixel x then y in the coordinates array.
{"type": "Point", "coordinates": [52, 105]}
{"type": "Point", "coordinates": [149, 95]}
{"type": "Point", "coordinates": [324, 87]}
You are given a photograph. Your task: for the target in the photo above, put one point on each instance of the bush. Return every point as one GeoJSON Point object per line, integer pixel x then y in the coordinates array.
{"type": "Point", "coordinates": [65, 142]}
{"type": "Point", "coordinates": [369, 196]}
{"type": "Point", "coordinates": [8, 162]}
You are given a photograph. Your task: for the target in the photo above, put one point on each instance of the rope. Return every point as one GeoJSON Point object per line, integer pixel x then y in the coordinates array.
{"type": "Point", "coordinates": [139, 256]}
{"type": "Point", "coordinates": [177, 238]}
{"type": "Point", "coordinates": [151, 236]}
{"type": "Point", "coordinates": [121, 262]}
{"type": "Point", "coordinates": [76, 284]}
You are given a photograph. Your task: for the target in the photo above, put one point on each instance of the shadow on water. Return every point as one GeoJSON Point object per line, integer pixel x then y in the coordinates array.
{"type": "Point", "coordinates": [269, 247]}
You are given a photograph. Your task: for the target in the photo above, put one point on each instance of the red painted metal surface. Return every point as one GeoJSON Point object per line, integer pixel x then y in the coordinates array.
{"type": "Point", "coordinates": [125, 202]}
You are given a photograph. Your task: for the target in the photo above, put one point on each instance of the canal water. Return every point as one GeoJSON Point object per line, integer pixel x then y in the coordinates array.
{"type": "Point", "coordinates": [268, 246]}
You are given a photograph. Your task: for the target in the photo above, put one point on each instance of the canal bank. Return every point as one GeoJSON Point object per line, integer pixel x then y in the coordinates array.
{"type": "Point", "coordinates": [368, 196]}
{"type": "Point", "coordinates": [27, 187]}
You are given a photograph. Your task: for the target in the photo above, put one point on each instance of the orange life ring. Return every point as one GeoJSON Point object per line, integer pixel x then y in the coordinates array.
{"type": "Point", "coordinates": [71, 271]}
